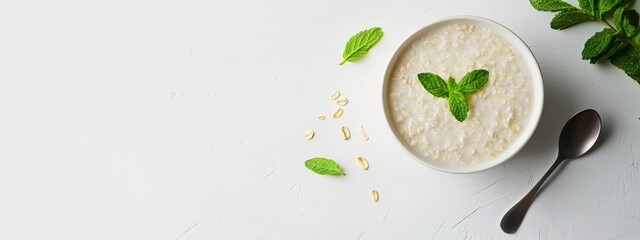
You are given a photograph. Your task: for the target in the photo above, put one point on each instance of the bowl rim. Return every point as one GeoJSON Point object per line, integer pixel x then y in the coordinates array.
{"type": "Point", "coordinates": [538, 91]}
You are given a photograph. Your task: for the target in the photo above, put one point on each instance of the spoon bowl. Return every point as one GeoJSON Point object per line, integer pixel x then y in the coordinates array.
{"type": "Point", "coordinates": [579, 134]}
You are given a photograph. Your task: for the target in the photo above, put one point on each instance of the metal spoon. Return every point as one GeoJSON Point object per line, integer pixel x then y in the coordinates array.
{"type": "Point", "coordinates": [577, 137]}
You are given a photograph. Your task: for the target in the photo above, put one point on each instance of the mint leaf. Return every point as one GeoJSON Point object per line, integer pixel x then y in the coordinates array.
{"type": "Point", "coordinates": [628, 60]}
{"type": "Point", "coordinates": [598, 44]}
{"type": "Point", "coordinates": [458, 106]}
{"type": "Point", "coordinates": [473, 81]}
{"type": "Point", "coordinates": [324, 166]}
{"type": "Point", "coordinates": [588, 6]}
{"type": "Point", "coordinates": [630, 22]}
{"type": "Point", "coordinates": [551, 5]}
{"type": "Point", "coordinates": [452, 85]}
{"type": "Point", "coordinates": [635, 77]}
{"type": "Point", "coordinates": [618, 17]}
{"type": "Point", "coordinates": [628, 4]}
{"type": "Point", "coordinates": [567, 19]}
{"type": "Point", "coordinates": [605, 6]}
{"type": "Point", "coordinates": [434, 84]}
{"type": "Point", "coordinates": [359, 44]}
{"type": "Point", "coordinates": [617, 47]}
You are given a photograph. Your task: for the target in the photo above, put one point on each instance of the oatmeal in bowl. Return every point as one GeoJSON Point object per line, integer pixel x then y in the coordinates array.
{"type": "Point", "coordinates": [477, 101]}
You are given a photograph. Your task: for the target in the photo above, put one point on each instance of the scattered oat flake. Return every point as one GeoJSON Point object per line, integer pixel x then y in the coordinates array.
{"type": "Point", "coordinates": [335, 95]}
{"type": "Point", "coordinates": [342, 101]}
{"type": "Point", "coordinates": [337, 113]}
{"type": "Point", "coordinates": [363, 134]}
{"type": "Point", "coordinates": [374, 195]}
{"type": "Point", "coordinates": [309, 134]}
{"type": "Point", "coordinates": [345, 133]}
{"type": "Point", "coordinates": [363, 163]}
{"type": "Point", "coordinates": [321, 117]}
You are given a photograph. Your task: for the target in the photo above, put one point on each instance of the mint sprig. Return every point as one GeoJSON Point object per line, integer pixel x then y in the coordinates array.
{"type": "Point", "coordinates": [455, 92]}
{"type": "Point", "coordinates": [618, 42]}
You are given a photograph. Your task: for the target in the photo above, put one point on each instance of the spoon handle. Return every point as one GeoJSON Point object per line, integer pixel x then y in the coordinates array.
{"type": "Point", "coordinates": [513, 218]}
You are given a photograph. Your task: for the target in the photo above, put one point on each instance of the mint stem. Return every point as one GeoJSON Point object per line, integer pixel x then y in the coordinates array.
{"type": "Point", "coordinates": [343, 61]}
{"type": "Point", "coordinates": [626, 38]}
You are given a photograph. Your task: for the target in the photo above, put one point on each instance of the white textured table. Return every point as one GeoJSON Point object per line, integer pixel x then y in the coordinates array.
{"type": "Point", "coordinates": [184, 120]}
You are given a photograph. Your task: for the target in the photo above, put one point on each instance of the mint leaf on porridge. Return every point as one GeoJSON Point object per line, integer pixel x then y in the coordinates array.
{"type": "Point", "coordinates": [473, 81]}
{"type": "Point", "coordinates": [434, 84]}
{"type": "Point", "coordinates": [452, 85]}
{"type": "Point", "coordinates": [359, 44]}
{"type": "Point", "coordinates": [458, 106]}
{"type": "Point", "coordinates": [324, 166]}
{"type": "Point", "coordinates": [455, 92]}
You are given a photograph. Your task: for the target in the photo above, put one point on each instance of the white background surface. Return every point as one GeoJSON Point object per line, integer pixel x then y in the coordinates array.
{"type": "Point", "coordinates": [184, 120]}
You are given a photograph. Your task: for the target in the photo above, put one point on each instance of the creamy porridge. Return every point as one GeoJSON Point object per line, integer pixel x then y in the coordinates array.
{"type": "Point", "coordinates": [498, 111]}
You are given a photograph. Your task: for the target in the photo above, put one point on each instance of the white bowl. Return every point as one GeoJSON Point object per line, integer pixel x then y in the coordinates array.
{"type": "Point", "coordinates": [538, 93]}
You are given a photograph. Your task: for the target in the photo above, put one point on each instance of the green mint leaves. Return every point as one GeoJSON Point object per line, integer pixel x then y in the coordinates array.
{"type": "Point", "coordinates": [617, 47]}
{"type": "Point", "coordinates": [458, 106]}
{"type": "Point", "coordinates": [473, 81]}
{"type": "Point", "coordinates": [359, 44]}
{"type": "Point", "coordinates": [618, 17]}
{"type": "Point", "coordinates": [455, 92]}
{"type": "Point", "coordinates": [628, 61]}
{"type": "Point", "coordinates": [598, 44]}
{"type": "Point", "coordinates": [588, 6]}
{"type": "Point", "coordinates": [619, 42]}
{"type": "Point", "coordinates": [324, 166]}
{"type": "Point", "coordinates": [567, 19]}
{"type": "Point", "coordinates": [551, 5]}
{"type": "Point", "coordinates": [605, 7]}
{"type": "Point", "coordinates": [629, 22]}
{"type": "Point", "coordinates": [434, 84]}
